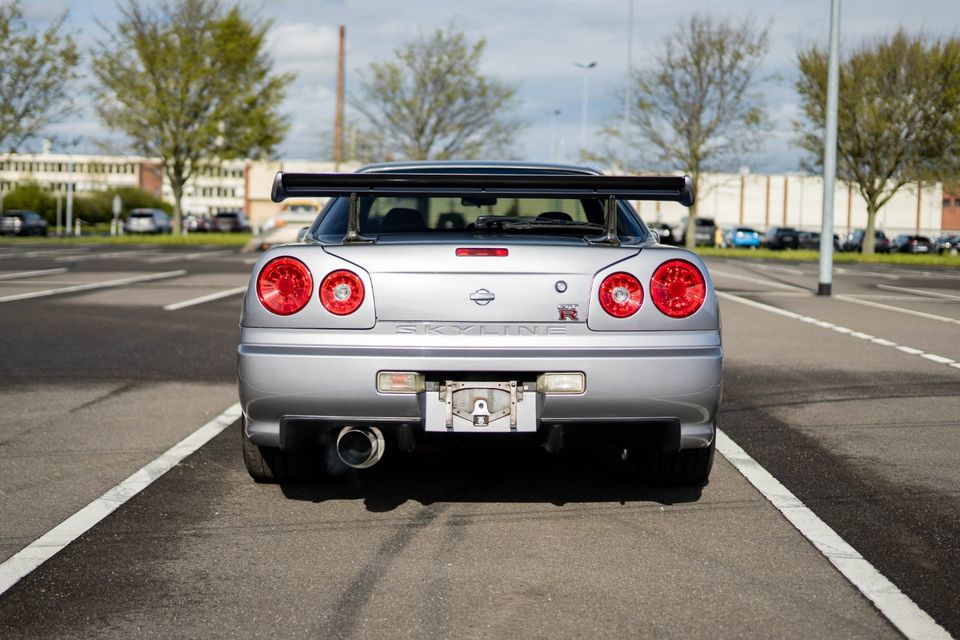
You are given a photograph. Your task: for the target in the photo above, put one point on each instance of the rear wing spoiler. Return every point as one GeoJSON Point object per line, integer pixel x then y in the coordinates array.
{"type": "Point", "coordinates": [508, 185]}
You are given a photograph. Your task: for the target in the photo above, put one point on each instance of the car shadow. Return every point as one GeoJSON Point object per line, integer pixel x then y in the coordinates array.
{"type": "Point", "coordinates": [489, 475]}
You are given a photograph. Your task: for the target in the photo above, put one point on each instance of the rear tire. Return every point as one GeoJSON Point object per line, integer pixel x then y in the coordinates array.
{"type": "Point", "coordinates": [688, 467]}
{"type": "Point", "coordinates": [273, 465]}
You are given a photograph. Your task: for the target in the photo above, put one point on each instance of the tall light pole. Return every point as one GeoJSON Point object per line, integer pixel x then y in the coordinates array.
{"type": "Point", "coordinates": [70, 187]}
{"type": "Point", "coordinates": [830, 154]}
{"type": "Point", "coordinates": [584, 100]}
{"type": "Point", "coordinates": [555, 113]}
{"type": "Point", "coordinates": [627, 97]}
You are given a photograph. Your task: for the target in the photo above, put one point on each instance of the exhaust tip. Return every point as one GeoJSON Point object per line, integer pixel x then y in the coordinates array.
{"type": "Point", "coordinates": [360, 447]}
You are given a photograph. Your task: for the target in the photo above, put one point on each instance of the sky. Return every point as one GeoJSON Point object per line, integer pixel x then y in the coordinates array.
{"type": "Point", "coordinates": [534, 44]}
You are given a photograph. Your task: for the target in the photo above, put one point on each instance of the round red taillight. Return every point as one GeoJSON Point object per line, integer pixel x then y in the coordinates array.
{"type": "Point", "coordinates": [621, 294]}
{"type": "Point", "coordinates": [284, 286]}
{"type": "Point", "coordinates": [678, 288]}
{"type": "Point", "coordinates": [341, 292]}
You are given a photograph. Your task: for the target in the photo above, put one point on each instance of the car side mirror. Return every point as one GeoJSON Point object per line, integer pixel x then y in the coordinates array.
{"type": "Point", "coordinates": [656, 235]}
{"type": "Point", "coordinates": [302, 234]}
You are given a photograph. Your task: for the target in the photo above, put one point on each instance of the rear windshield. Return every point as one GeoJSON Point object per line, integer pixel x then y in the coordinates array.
{"type": "Point", "coordinates": [141, 215]}
{"type": "Point", "coordinates": [228, 214]}
{"type": "Point", "coordinates": [787, 230]}
{"type": "Point", "coordinates": [395, 215]}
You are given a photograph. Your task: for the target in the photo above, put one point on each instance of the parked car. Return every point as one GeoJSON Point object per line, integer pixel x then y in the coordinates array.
{"type": "Point", "coordinates": [665, 231]}
{"type": "Point", "coordinates": [854, 241]}
{"type": "Point", "coordinates": [811, 240]}
{"type": "Point", "coordinates": [550, 317]}
{"type": "Point", "coordinates": [284, 229]}
{"type": "Point", "coordinates": [147, 221]}
{"type": "Point", "coordinates": [739, 237]}
{"type": "Point", "coordinates": [946, 244]}
{"type": "Point", "coordinates": [230, 221]}
{"type": "Point", "coordinates": [781, 238]}
{"type": "Point", "coordinates": [18, 222]}
{"type": "Point", "coordinates": [297, 210]}
{"type": "Point", "coordinates": [705, 235]}
{"type": "Point", "coordinates": [197, 223]}
{"type": "Point", "coordinates": [905, 243]}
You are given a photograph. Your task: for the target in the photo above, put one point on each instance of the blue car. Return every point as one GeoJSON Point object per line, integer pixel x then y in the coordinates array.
{"type": "Point", "coordinates": [739, 237]}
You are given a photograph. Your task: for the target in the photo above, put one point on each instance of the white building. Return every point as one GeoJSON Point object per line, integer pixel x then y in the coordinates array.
{"type": "Point", "coordinates": [759, 201]}
{"type": "Point", "coordinates": [795, 200]}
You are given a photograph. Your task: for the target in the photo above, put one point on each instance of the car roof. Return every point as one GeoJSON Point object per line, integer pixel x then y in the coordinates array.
{"type": "Point", "coordinates": [476, 166]}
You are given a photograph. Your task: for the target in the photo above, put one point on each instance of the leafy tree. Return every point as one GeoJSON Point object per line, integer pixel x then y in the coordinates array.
{"type": "Point", "coordinates": [98, 206]}
{"type": "Point", "coordinates": [32, 197]}
{"type": "Point", "coordinates": [36, 70]}
{"type": "Point", "coordinates": [190, 82]}
{"type": "Point", "coordinates": [432, 102]}
{"type": "Point", "coordinates": [898, 119]}
{"type": "Point", "coordinates": [695, 104]}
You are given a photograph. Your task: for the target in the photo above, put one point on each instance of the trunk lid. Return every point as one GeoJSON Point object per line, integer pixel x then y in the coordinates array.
{"type": "Point", "coordinates": [533, 283]}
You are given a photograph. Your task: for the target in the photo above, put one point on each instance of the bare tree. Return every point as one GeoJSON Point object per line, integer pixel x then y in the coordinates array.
{"type": "Point", "coordinates": [190, 81]}
{"type": "Point", "coordinates": [432, 102]}
{"type": "Point", "coordinates": [898, 120]}
{"type": "Point", "coordinates": [695, 103]}
{"type": "Point", "coordinates": [36, 70]}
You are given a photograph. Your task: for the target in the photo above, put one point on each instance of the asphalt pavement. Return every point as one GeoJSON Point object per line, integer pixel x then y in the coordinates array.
{"type": "Point", "coordinates": [850, 402]}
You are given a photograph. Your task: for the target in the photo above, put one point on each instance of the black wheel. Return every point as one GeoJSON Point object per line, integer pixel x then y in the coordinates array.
{"type": "Point", "coordinates": [689, 467]}
{"type": "Point", "coordinates": [269, 464]}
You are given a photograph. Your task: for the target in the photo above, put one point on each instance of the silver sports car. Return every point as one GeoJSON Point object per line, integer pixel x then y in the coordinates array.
{"type": "Point", "coordinates": [479, 303]}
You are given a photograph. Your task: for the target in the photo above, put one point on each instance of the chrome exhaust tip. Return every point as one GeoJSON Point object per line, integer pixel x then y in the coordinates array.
{"type": "Point", "coordinates": [360, 447]}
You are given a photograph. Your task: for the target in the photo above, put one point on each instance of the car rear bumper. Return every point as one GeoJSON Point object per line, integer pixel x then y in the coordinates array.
{"type": "Point", "coordinates": [295, 385]}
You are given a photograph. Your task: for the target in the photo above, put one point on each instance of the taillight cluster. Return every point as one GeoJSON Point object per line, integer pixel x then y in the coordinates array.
{"type": "Point", "coordinates": [677, 288]}
{"type": "Point", "coordinates": [285, 286]}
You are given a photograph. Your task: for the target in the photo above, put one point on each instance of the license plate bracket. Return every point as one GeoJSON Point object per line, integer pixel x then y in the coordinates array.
{"type": "Point", "coordinates": [480, 406]}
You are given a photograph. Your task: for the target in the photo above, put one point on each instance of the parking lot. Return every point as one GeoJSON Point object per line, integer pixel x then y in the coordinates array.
{"type": "Point", "coordinates": [111, 356]}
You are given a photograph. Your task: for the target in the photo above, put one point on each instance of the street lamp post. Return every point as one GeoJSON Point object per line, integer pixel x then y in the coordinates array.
{"type": "Point", "coordinates": [555, 113]}
{"type": "Point", "coordinates": [584, 100]}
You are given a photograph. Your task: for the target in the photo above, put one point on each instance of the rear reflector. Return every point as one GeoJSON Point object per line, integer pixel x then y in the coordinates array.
{"type": "Point", "coordinates": [561, 383]}
{"type": "Point", "coordinates": [482, 252]}
{"type": "Point", "coordinates": [341, 292]}
{"type": "Point", "coordinates": [284, 286]}
{"type": "Point", "coordinates": [400, 382]}
{"type": "Point", "coordinates": [678, 288]}
{"type": "Point", "coordinates": [621, 294]}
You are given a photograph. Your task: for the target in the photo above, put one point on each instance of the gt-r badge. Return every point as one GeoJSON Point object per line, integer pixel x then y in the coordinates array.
{"type": "Point", "coordinates": [567, 311]}
{"type": "Point", "coordinates": [482, 297]}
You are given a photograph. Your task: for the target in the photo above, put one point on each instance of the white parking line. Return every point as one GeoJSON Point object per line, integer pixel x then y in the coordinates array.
{"type": "Point", "coordinates": [187, 256]}
{"type": "Point", "coordinates": [769, 283]}
{"type": "Point", "coordinates": [792, 272]}
{"type": "Point", "coordinates": [839, 329]}
{"type": "Point", "coordinates": [909, 312]}
{"type": "Point", "coordinates": [95, 285]}
{"type": "Point", "coordinates": [207, 298]}
{"type": "Point", "coordinates": [919, 292]}
{"type": "Point", "coordinates": [866, 274]}
{"type": "Point", "coordinates": [130, 253]}
{"type": "Point", "coordinates": [52, 542]}
{"type": "Point", "coordinates": [40, 252]}
{"type": "Point", "coordinates": [896, 606]}
{"type": "Point", "coordinates": [32, 274]}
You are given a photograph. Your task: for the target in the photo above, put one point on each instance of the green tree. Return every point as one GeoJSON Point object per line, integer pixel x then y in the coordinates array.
{"type": "Point", "coordinates": [98, 206]}
{"type": "Point", "coordinates": [898, 119]}
{"type": "Point", "coordinates": [36, 70]}
{"type": "Point", "coordinates": [432, 102]}
{"type": "Point", "coordinates": [32, 197]}
{"type": "Point", "coordinates": [695, 104]}
{"type": "Point", "coordinates": [190, 82]}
